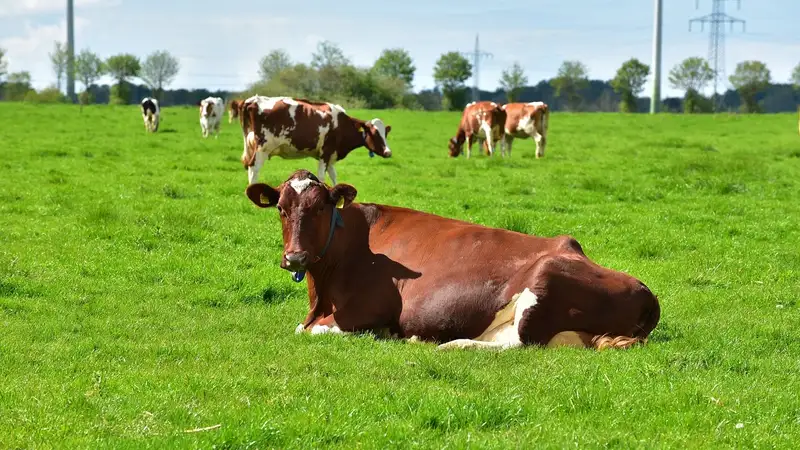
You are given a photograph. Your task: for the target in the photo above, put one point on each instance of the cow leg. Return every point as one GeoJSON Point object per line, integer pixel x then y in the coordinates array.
{"type": "Point", "coordinates": [252, 171]}
{"type": "Point", "coordinates": [321, 169]}
{"type": "Point", "coordinates": [332, 173]}
{"type": "Point", "coordinates": [576, 307]}
{"type": "Point", "coordinates": [541, 141]}
{"type": "Point", "coordinates": [468, 143]}
{"type": "Point", "coordinates": [507, 141]}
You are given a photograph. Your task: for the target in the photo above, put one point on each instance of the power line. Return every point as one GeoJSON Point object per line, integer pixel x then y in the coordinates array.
{"type": "Point", "coordinates": [716, 39]}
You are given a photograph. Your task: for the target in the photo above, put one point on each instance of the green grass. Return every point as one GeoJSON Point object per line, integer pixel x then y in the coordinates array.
{"type": "Point", "coordinates": [140, 293]}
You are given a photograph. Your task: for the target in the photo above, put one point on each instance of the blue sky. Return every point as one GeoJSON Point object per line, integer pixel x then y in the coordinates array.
{"type": "Point", "coordinates": [219, 43]}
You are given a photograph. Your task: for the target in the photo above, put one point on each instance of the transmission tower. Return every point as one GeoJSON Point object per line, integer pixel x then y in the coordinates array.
{"type": "Point", "coordinates": [716, 39]}
{"type": "Point", "coordinates": [476, 55]}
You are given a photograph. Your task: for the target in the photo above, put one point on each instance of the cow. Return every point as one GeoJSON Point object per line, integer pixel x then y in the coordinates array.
{"type": "Point", "coordinates": [233, 110]}
{"type": "Point", "coordinates": [415, 275]}
{"type": "Point", "coordinates": [525, 120]}
{"type": "Point", "coordinates": [482, 121]}
{"type": "Point", "coordinates": [211, 110]}
{"type": "Point", "coordinates": [151, 114]}
{"type": "Point", "coordinates": [294, 128]}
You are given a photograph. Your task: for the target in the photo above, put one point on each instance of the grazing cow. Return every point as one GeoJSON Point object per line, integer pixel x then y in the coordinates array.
{"type": "Point", "coordinates": [295, 128]}
{"type": "Point", "coordinates": [211, 110]}
{"type": "Point", "coordinates": [381, 268]}
{"type": "Point", "coordinates": [482, 121]}
{"type": "Point", "coordinates": [524, 120]}
{"type": "Point", "coordinates": [151, 114]}
{"type": "Point", "coordinates": [233, 111]}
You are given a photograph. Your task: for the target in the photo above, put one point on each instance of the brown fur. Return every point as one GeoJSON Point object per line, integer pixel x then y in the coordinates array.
{"type": "Point", "coordinates": [470, 124]}
{"type": "Point", "coordinates": [419, 274]}
{"type": "Point", "coordinates": [234, 109]}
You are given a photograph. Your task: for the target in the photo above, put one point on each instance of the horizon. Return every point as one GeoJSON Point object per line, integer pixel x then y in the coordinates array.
{"type": "Point", "coordinates": [212, 57]}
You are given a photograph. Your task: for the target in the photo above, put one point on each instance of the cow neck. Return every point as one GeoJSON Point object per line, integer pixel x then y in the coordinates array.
{"type": "Point", "coordinates": [336, 221]}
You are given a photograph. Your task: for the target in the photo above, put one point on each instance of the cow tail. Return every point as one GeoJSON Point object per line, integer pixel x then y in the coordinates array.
{"type": "Point", "coordinates": [647, 323]}
{"type": "Point", "coordinates": [252, 146]}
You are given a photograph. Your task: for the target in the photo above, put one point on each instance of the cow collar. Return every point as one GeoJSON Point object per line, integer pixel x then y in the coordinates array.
{"type": "Point", "coordinates": [364, 136]}
{"type": "Point", "coordinates": [336, 221]}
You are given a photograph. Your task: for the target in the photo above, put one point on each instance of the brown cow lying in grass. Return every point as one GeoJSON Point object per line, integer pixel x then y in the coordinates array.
{"type": "Point", "coordinates": [375, 267]}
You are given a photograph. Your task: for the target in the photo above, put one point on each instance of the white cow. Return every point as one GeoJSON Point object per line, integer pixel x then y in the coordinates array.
{"type": "Point", "coordinates": [150, 114]}
{"type": "Point", "coordinates": [211, 111]}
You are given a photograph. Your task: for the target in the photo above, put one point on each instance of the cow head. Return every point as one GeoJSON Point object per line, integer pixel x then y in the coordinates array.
{"type": "Point", "coordinates": [305, 206]}
{"type": "Point", "coordinates": [455, 146]}
{"type": "Point", "coordinates": [375, 134]}
{"type": "Point", "coordinates": [233, 112]}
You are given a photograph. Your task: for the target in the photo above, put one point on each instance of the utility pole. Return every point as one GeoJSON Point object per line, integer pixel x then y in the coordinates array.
{"type": "Point", "coordinates": [70, 52]}
{"type": "Point", "coordinates": [655, 99]}
{"type": "Point", "coordinates": [476, 61]}
{"type": "Point", "coordinates": [716, 42]}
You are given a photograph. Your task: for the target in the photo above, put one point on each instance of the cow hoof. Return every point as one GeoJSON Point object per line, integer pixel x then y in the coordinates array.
{"type": "Point", "coordinates": [299, 329]}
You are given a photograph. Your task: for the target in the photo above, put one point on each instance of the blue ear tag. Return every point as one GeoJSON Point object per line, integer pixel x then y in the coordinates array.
{"type": "Point", "coordinates": [371, 155]}
{"type": "Point", "coordinates": [298, 276]}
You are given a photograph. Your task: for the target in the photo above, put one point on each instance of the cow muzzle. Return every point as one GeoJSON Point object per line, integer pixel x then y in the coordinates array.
{"type": "Point", "coordinates": [295, 261]}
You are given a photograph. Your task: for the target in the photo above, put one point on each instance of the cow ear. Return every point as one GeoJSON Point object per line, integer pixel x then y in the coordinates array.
{"type": "Point", "coordinates": [388, 129]}
{"type": "Point", "coordinates": [343, 195]}
{"type": "Point", "coordinates": [262, 195]}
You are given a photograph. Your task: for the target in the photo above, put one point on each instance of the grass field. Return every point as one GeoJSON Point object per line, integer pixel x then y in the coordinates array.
{"type": "Point", "coordinates": [140, 293]}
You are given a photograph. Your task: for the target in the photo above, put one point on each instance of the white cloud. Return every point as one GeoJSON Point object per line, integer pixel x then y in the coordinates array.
{"type": "Point", "coordinates": [30, 51]}
{"type": "Point", "coordinates": [30, 7]}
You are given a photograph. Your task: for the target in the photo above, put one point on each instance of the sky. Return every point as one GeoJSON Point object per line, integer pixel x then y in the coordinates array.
{"type": "Point", "coordinates": [219, 43]}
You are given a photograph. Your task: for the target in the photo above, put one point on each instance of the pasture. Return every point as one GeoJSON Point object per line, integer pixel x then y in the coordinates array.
{"type": "Point", "coordinates": [140, 293]}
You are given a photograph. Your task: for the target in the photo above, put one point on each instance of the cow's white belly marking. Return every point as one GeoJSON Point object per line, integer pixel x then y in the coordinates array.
{"type": "Point", "coordinates": [503, 332]}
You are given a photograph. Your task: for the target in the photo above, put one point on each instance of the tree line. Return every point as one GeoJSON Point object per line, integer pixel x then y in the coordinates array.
{"type": "Point", "coordinates": [389, 82]}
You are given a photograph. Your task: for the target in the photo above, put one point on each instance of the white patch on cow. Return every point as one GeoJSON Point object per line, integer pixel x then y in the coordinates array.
{"type": "Point", "coordinates": [503, 332]}
{"type": "Point", "coordinates": [486, 133]}
{"type": "Point", "coordinates": [322, 132]}
{"type": "Point", "coordinates": [536, 103]}
{"type": "Point", "coordinates": [268, 103]}
{"type": "Point", "coordinates": [494, 104]}
{"type": "Point", "coordinates": [325, 329]}
{"type": "Point", "coordinates": [335, 111]}
{"type": "Point", "coordinates": [300, 185]}
{"type": "Point", "coordinates": [526, 125]}
{"type": "Point", "coordinates": [299, 329]}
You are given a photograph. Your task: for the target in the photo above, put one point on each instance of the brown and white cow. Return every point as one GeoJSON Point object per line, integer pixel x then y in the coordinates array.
{"type": "Point", "coordinates": [294, 128]}
{"type": "Point", "coordinates": [378, 268]}
{"type": "Point", "coordinates": [233, 110]}
{"type": "Point", "coordinates": [526, 120]}
{"type": "Point", "coordinates": [480, 121]}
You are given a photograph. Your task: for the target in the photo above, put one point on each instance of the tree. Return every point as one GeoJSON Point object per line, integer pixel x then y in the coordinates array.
{"type": "Point", "coordinates": [274, 63]}
{"type": "Point", "coordinates": [58, 58]}
{"type": "Point", "coordinates": [750, 78]}
{"type": "Point", "coordinates": [572, 77]}
{"type": "Point", "coordinates": [328, 54]}
{"type": "Point", "coordinates": [795, 76]}
{"type": "Point", "coordinates": [512, 80]}
{"type": "Point", "coordinates": [692, 75]}
{"type": "Point", "coordinates": [3, 63]}
{"type": "Point", "coordinates": [450, 72]}
{"type": "Point", "coordinates": [17, 86]}
{"type": "Point", "coordinates": [629, 83]}
{"type": "Point", "coordinates": [159, 69]}
{"type": "Point", "coordinates": [122, 67]}
{"type": "Point", "coordinates": [396, 63]}
{"type": "Point", "coordinates": [88, 69]}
